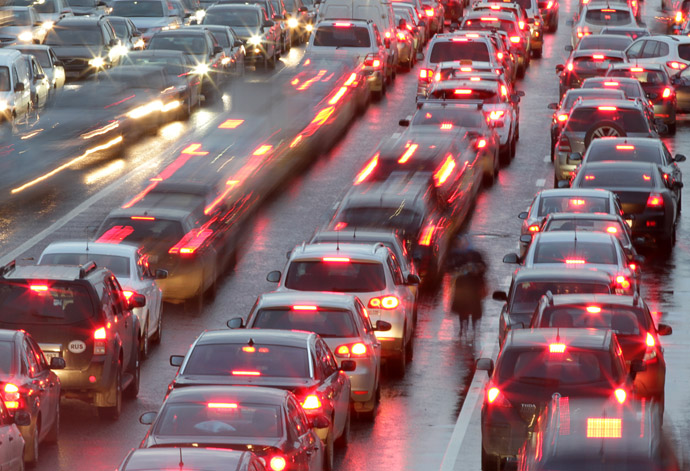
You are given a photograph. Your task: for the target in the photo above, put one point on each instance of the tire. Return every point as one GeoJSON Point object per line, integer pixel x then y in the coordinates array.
{"type": "Point", "coordinates": [398, 364]}
{"type": "Point", "coordinates": [513, 148]}
{"type": "Point", "coordinates": [555, 180]}
{"type": "Point", "coordinates": [409, 350]}
{"type": "Point", "coordinates": [144, 341]}
{"type": "Point", "coordinates": [54, 432]}
{"type": "Point", "coordinates": [603, 129]}
{"type": "Point", "coordinates": [672, 129]}
{"type": "Point", "coordinates": [344, 438]}
{"type": "Point", "coordinates": [195, 304]}
{"type": "Point", "coordinates": [328, 452]}
{"type": "Point", "coordinates": [133, 390]}
{"type": "Point", "coordinates": [521, 71]}
{"type": "Point", "coordinates": [31, 447]}
{"type": "Point", "coordinates": [113, 412]}
{"type": "Point", "coordinates": [553, 149]}
{"type": "Point", "coordinates": [505, 155]}
{"type": "Point", "coordinates": [537, 53]}
{"type": "Point", "coordinates": [159, 331]}
{"type": "Point", "coordinates": [490, 462]}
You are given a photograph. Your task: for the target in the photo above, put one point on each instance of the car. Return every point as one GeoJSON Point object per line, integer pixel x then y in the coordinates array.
{"type": "Point", "coordinates": [595, 119]}
{"type": "Point", "coordinates": [127, 33]}
{"type": "Point", "coordinates": [478, 71]}
{"type": "Point", "coordinates": [657, 86]}
{"type": "Point", "coordinates": [630, 86]}
{"type": "Point", "coordinates": [627, 316]}
{"type": "Point", "coordinates": [49, 11]}
{"type": "Point", "coordinates": [51, 65]}
{"type": "Point", "coordinates": [272, 9]}
{"type": "Point", "coordinates": [564, 107]}
{"type": "Point", "coordinates": [149, 16]}
{"type": "Point", "coordinates": [671, 52]}
{"type": "Point", "coordinates": [297, 361]}
{"type": "Point", "coordinates": [12, 450]}
{"type": "Point", "coordinates": [85, 45]}
{"type": "Point", "coordinates": [595, 15]}
{"type": "Point", "coordinates": [603, 42]}
{"type": "Point", "coordinates": [678, 16]}
{"type": "Point", "coordinates": [297, 17]}
{"type": "Point", "coordinates": [130, 267]}
{"type": "Point", "coordinates": [280, 17]}
{"type": "Point", "coordinates": [528, 285]}
{"type": "Point", "coordinates": [649, 202]}
{"type": "Point", "coordinates": [234, 51]}
{"type": "Point", "coordinates": [633, 32]}
{"type": "Point", "coordinates": [342, 322]}
{"type": "Point", "coordinates": [534, 26]}
{"type": "Point", "coordinates": [370, 272]}
{"type": "Point", "coordinates": [533, 365]}
{"type": "Point", "coordinates": [408, 23]}
{"type": "Point", "coordinates": [78, 313]}
{"type": "Point", "coordinates": [407, 42]}
{"type": "Point", "coordinates": [209, 459]}
{"type": "Point", "coordinates": [270, 422]}
{"type": "Point", "coordinates": [20, 25]}
{"type": "Point", "coordinates": [510, 7]}
{"type": "Point", "coordinates": [579, 433]}
{"type": "Point", "coordinates": [418, 26]}
{"type": "Point", "coordinates": [88, 7]}
{"type": "Point", "coordinates": [30, 387]}
{"type": "Point", "coordinates": [571, 250]}
{"type": "Point", "coordinates": [40, 85]}
{"type": "Point", "coordinates": [549, 12]}
{"type": "Point", "coordinates": [583, 64]}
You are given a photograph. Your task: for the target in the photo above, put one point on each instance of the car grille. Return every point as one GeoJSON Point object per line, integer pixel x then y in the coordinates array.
{"type": "Point", "coordinates": [528, 412]}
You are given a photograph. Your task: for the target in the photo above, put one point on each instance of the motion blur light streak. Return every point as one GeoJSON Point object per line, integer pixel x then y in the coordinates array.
{"type": "Point", "coordinates": [31, 134]}
{"type": "Point", "coordinates": [230, 123]}
{"type": "Point", "coordinates": [193, 149]}
{"type": "Point", "coordinates": [263, 149]}
{"type": "Point", "coordinates": [100, 131]}
{"type": "Point", "coordinates": [230, 185]}
{"type": "Point", "coordinates": [105, 172]}
{"type": "Point", "coordinates": [309, 82]}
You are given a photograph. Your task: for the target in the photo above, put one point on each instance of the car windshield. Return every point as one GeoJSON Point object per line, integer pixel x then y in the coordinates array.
{"type": "Point", "coordinates": [444, 51]}
{"type": "Point", "coordinates": [328, 323]}
{"type": "Point", "coordinates": [602, 151]}
{"type": "Point", "coordinates": [572, 96]}
{"type": "Point", "coordinates": [589, 225]}
{"type": "Point", "coordinates": [466, 93]}
{"type": "Point", "coordinates": [339, 276]}
{"type": "Point", "coordinates": [82, 3]}
{"type": "Point", "coordinates": [342, 36]}
{"type": "Point", "coordinates": [120, 29]}
{"type": "Point", "coordinates": [527, 293]}
{"type": "Point", "coordinates": [217, 420]}
{"type": "Point", "coordinates": [239, 360]}
{"type": "Point", "coordinates": [221, 38]}
{"type": "Point", "coordinates": [116, 264]}
{"type": "Point", "coordinates": [232, 17]}
{"type": "Point", "coordinates": [4, 79]}
{"type": "Point", "coordinates": [74, 36]}
{"type": "Point", "coordinates": [644, 76]}
{"type": "Point", "coordinates": [596, 63]}
{"type": "Point", "coordinates": [621, 320]}
{"type": "Point", "coordinates": [388, 218]}
{"type": "Point", "coordinates": [41, 6]}
{"type": "Point", "coordinates": [189, 44]}
{"type": "Point", "coordinates": [618, 43]}
{"type": "Point", "coordinates": [41, 56]}
{"type": "Point", "coordinates": [466, 118]}
{"type": "Point", "coordinates": [574, 253]}
{"type": "Point", "coordinates": [15, 18]}
{"type": "Point", "coordinates": [616, 177]}
{"type": "Point", "coordinates": [489, 23]}
{"type": "Point", "coordinates": [141, 231]}
{"type": "Point", "coordinates": [608, 16]}
{"type": "Point", "coordinates": [137, 8]}
{"type": "Point", "coordinates": [45, 303]}
{"type": "Point", "coordinates": [585, 119]}
{"type": "Point", "coordinates": [6, 357]}
{"type": "Point", "coordinates": [572, 204]}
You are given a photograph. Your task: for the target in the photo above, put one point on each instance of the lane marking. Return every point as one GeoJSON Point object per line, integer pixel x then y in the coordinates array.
{"type": "Point", "coordinates": [540, 182]}
{"type": "Point", "coordinates": [547, 158]}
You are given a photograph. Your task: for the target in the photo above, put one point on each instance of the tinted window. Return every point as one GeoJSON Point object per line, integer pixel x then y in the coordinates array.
{"type": "Point", "coordinates": [684, 51]}
{"type": "Point", "coordinates": [444, 51]}
{"type": "Point", "coordinates": [83, 3]}
{"type": "Point", "coordinates": [572, 96]}
{"type": "Point", "coordinates": [644, 76]}
{"type": "Point", "coordinates": [508, 26]}
{"type": "Point", "coordinates": [41, 56]}
{"type": "Point", "coordinates": [393, 218]}
{"type": "Point", "coordinates": [171, 65]}
{"type": "Point", "coordinates": [15, 18]}
{"type": "Point", "coordinates": [191, 44]}
{"type": "Point", "coordinates": [572, 204]}
{"type": "Point", "coordinates": [597, 42]}
{"type": "Point", "coordinates": [73, 36]}
{"type": "Point", "coordinates": [620, 320]}
{"type": "Point", "coordinates": [608, 17]}
{"type": "Point", "coordinates": [589, 225]}
{"type": "Point", "coordinates": [6, 357]}
{"type": "Point", "coordinates": [527, 293]}
{"type": "Point", "coordinates": [584, 119]}
{"type": "Point", "coordinates": [120, 29]}
{"type": "Point", "coordinates": [333, 36]}
{"type": "Point", "coordinates": [575, 254]}
{"type": "Point", "coordinates": [41, 6]}
{"type": "Point", "coordinates": [624, 152]}
{"type": "Point", "coordinates": [630, 89]}
{"type": "Point", "coordinates": [219, 420]}
{"type": "Point", "coordinates": [232, 17]}
{"type": "Point", "coordinates": [44, 303]}
{"type": "Point", "coordinates": [341, 277]}
{"type": "Point", "coordinates": [118, 265]}
{"type": "Point", "coordinates": [266, 360]}
{"type": "Point", "coordinates": [595, 64]}
{"type": "Point", "coordinates": [221, 38]}
{"type": "Point", "coordinates": [137, 8]}
{"type": "Point", "coordinates": [458, 117]}
{"type": "Point", "coordinates": [4, 79]}
{"type": "Point", "coordinates": [326, 323]}
{"type": "Point", "coordinates": [613, 177]}
{"type": "Point", "coordinates": [573, 366]}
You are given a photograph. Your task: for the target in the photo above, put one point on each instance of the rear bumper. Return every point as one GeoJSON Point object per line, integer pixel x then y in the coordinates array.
{"type": "Point", "coordinates": [75, 383]}
{"type": "Point", "coordinates": [665, 111]}
{"type": "Point", "coordinates": [651, 382]}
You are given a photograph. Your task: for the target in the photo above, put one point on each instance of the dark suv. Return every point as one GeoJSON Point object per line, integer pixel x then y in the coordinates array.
{"type": "Point", "coordinates": [80, 314]}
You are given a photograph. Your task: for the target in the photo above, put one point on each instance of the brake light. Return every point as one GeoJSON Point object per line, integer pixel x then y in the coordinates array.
{"type": "Point", "coordinates": [593, 309]}
{"type": "Point", "coordinates": [577, 202]}
{"type": "Point", "coordinates": [607, 108]}
{"type": "Point", "coordinates": [632, 266]}
{"type": "Point", "coordinates": [11, 396]}
{"type": "Point", "coordinates": [429, 12]}
{"type": "Point", "coordinates": [39, 288]}
{"type": "Point", "coordinates": [557, 348]}
{"type": "Point", "coordinates": [426, 74]}
{"type": "Point", "coordinates": [401, 36]}
{"type": "Point", "coordinates": [562, 117]}
{"type": "Point", "coordinates": [599, 57]}
{"type": "Point", "coordinates": [625, 147]}
{"type": "Point", "coordinates": [245, 373]}
{"type": "Point", "coordinates": [336, 259]}
{"type": "Point", "coordinates": [604, 427]}
{"type": "Point", "coordinates": [679, 17]}
{"type": "Point", "coordinates": [384, 302]}
{"type": "Point", "coordinates": [128, 294]}
{"type": "Point", "coordinates": [311, 402]}
{"type": "Point", "coordinates": [342, 25]}
{"type": "Point", "coordinates": [497, 114]}
{"type": "Point", "coordinates": [366, 171]}
{"type": "Point", "coordinates": [569, 66]}
{"type": "Point", "coordinates": [496, 398]}
{"type": "Point", "coordinates": [427, 235]}
{"type": "Point", "coordinates": [99, 338]}
{"type": "Point", "coordinates": [301, 307]}
{"type": "Point", "coordinates": [620, 395]}
{"type": "Point", "coordinates": [492, 394]}
{"type": "Point", "coordinates": [355, 350]}
{"type": "Point", "coordinates": [676, 65]}
{"type": "Point", "coordinates": [611, 84]}
{"type": "Point", "coordinates": [462, 91]}
{"type": "Point", "coordinates": [564, 144]}
{"type": "Point", "coordinates": [650, 340]}
{"type": "Point", "coordinates": [534, 228]}
{"type": "Point", "coordinates": [574, 261]}
{"type": "Point", "coordinates": [666, 93]}
{"type": "Point", "coordinates": [636, 69]}
{"type": "Point", "coordinates": [623, 282]}
{"type": "Point", "coordinates": [481, 143]}
{"type": "Point", "coordinates": [515, 39]}
{"type": "Point", "coordinates": [521, 25]}
{"type": "Point", "coordinates": [221, 405]}
{"type": "Point", "coordinates": [444, 172]}
{"type": "Point", "coordinates": [191, 242]}
{"type": "Point", "coordinates": [373, 61]}
{"type": "Point", "coordinates": [277, 463]}
{"type": "Point", "coordinates": [487, 18]}
{"type": "Point", "coordinates": [650, 353]}
{"type": "Point", "coordinates": [408, 153]}
{"type": "Point", "coordinates": [655, 200]}
{"type": "Point", "coordinates": [143, 218]}
{"type": "Point", "coordinates": [446, 126]}
{"type": "Point", "coordinates": [499, 56]}
{"type": "Point", "coordinates": [549, 5]}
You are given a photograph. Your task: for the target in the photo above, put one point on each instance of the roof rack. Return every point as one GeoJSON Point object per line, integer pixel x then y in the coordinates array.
{"type": "Point", "coordinates": [86, 268]}
{"type": "Point", "coordinates": [8, 268]}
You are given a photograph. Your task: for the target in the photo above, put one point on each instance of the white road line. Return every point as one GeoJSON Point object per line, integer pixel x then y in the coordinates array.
{"type": "Point", "coordinates": [547, 158]}
{"type": "Point", "coordinates": [507, 280]}
{"type": "Point", "coordinates": [541, 182]}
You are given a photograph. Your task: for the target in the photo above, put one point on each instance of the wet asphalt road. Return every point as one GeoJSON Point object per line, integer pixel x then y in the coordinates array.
{"type": "Point", "coordinates": [418, 414]}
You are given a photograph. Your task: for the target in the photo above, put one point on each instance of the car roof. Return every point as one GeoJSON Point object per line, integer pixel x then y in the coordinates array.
{"type": "Point", "coordinates": [561, 299]}
{"type": "Point", "coordinates": [7, 335]}
{"type": "Point", "coordinates": [571, 216]}
{"type": "Point", "coordinates": [254, 394]}
{"type": "Point", "coordinates": [429, 147]}
{"type": "Point", "coordinates": [182, 32]}
{"type": "Point", "coordinates": [613, 79]}
{"type": "Point", "coordinates": [584, 92]}
{"type": "Point", "coordinates": [629, 65]}
{"type": "Point", "coordinates": [593, 192]}
{"type": "Point", "coordinates": [79, 20]}
{"type": "Point", "coordinates": [572, 236]}
{"type": "Point", "coordinates": [410, 190]}
{"type": "Point", "coordinates": [559, 274]}
{"type": "Point", "coordinates": [595, 339]}
{"type": "Point", "coordinates": [146, 459]}
{"type": "Point", "coordinates": [9, 54]}
{"type": "Point", "coordinates": [156, 53]}
{"type": "Point", "coordinates": [503, 15]}
{"type": "Point", "coordinates": [603, 4]}
{"type": "Point", "coordinates": [318, 298]}
{"type": "Point", "coordinates": [618, 103]}
{"type": "Point", "coordinates": [51, 272]}
{"type": "Point", "coordinates": [124, 250]}
{"type": "Point", "coordinates": [642, 142]}
{"type": "Point", "coordinates": [291, 338]}
{"type": "Point", "coordinates": [330, 249]}
{"type": "Point", "coordinates": [359, 236]}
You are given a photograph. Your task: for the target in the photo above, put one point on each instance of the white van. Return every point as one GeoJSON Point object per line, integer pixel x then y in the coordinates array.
{"type": "Point", "coordinates": [378, 11]}
{"type": "Point", "coordinates": [15, 84]}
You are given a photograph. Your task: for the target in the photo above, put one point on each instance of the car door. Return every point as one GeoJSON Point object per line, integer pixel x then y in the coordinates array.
{"type": "Point", "coordinates": [43, 382]}
{"type": "Point", "coordinates": [334, 385]}
{"type": "Point", "coordinates": [122, 319]}
{"type": "Point", "coordinates": [299, 432]}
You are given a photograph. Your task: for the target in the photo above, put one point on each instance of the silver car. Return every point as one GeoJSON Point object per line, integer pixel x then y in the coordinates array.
{"type": "Point", "coordinates": [51, 65]}
{"type": "Point", "coordinates": [673, 52]}
{"type": "Point", "coordinates": [20, 25]}
{"type": "Point", "coordinates": [597, 15]}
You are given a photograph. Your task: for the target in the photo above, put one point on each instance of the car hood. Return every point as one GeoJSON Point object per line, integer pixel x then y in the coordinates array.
{"type": "Point", "coordinates": [84, 51]}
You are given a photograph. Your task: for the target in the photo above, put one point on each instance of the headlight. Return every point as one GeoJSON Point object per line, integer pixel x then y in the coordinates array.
{"type": "Point", "coordinates": [117, 51]}
{"type": "Point", "coordinates": [201, 69]}
{"type": "Point", "coordinates": [26, 36]}
{"type": "Point", "coordinates": [254, 40]}
{"type": "Point", "coordinates": [47, 25]}
{"type": "Point", "coordinates": [199, 15]}
{"type": "Point", "coordinates": [3, 105]}
{"type": "Point", "coordinates": [146, 109]}
{"type": "Point", "coordinates": [310, 27]}
{"type": "Point", "coordinates": [97, 62]}
{"type": "Point", "coordinates": [140, 44]}
{"type": "Point", "coordinates": [225, 60]}
{"type": "Point", "coordinates": [292, 22]}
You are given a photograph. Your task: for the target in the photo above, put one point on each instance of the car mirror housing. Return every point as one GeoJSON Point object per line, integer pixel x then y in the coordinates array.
{"type": "Point", "coordinates": [147, 418]}
{"type": "Point", "coordinates": [511, 258]}
{"type": "Point", "coordinates": [526, 238]}
{"type": "Point", "coordinates": [22, 418]}
{"type": "Point", "coordinates": [500, 296]}
{"type": "Point", "coordinates": [552, 106]}
{"type": "Point", "coordinates": [679, 158]}
{"type": "Point", "coordinates": [413, 279]}
{"type": "Point", "coordinates": [57, 363]}
{"type": "Point", "coordinates": [382, 326]}
{"type": "Point", "coordinates": [235, 323]}
{"type": "Point", "coordinates": [176, 360]}
{"type": "Point", "coordinates": [563, 184]}
{"type": "Point", "coordinates": [664, 329]}
{"type": "Point", "coordinates": [161, 274]}
{"type": "Point", "coordinates": [404, 122]}
{"type": "Point", "coordinates": [486, 364]}
{"type": "Point", "coordinates": [637, 366]}
{"type": "Point", "coordinates": [320, 421]}
{"type": "Point", "coordinates": [523, 215]}
{"type": "Point", "coordinates": [137, 300]}
{"type": "Point", "coordinates": [273, 277]}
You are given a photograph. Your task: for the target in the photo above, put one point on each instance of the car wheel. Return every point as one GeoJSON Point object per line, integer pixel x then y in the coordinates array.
{"type": "Point", "coordinates": [328, 452]}
{"type": "Point", "coordinates": [113, 412]}
{"type": "Point", "coordinates": [159, 330]}
{"type": "Point", "coordinates": [31, 450]}
{"type": "Point", "coordinates": [537, 53]}
{"type": "Point", "coordinates": [672, 129]}
{"type": "Point", "coordinates": [490, 462]}
{"type": "Point", "coordinates": [144, 340]}
{"type": "Point", "coordinates": [513, 147]}
{"type": "Point", "coordinates": [344, 438]}
{"type": "Point", "coordinates": [133, 390]}
{"type": "Point", "coordinates": [555, 180]}
{"type": "Point", "coordinates": [409, 349]}
{"type": "Point", "coordinates": [521, 71]}
{"type": "Point", "coordinates": [54, 432]}
{"type": "Point", "coordinates": [554, 24]}
{"type": "Point", "coordinates": [553, 148]}
{"type": "Point", "coordinates": [603, 129]}
{"type": "Point", "coordinates": [506, 153]}
{"type": "Point", "coordinates": [195, 304]}
{"type": "Point", "coordinates": [489, 176]}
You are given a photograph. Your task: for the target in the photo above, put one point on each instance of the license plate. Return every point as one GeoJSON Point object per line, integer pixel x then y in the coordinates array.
{"type": "Point", "coordinates": [629, 222]}
{"type": "Point", "coordinates": [50, 355]}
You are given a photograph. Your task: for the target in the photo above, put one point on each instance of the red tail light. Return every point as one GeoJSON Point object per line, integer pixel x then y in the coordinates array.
{"type": "Point", "coordinates": [384, 302]}
{"type": "Point", "coordinates": [429, 12]}
{"type": "Point", "coordinates": [11, 396]}
{"type": "Point", "coordinates": [667, 93]}
{"type": "Point", "coordinates": [496, 398]}
{"type": "Point", "coordinates": [427, 235]}
{"type": "Point", "coordinates": [372, 60]}
{"type": "Point", "coordinates": [277, 463]}
{"type": "Point", "coordinates": [353, 350]}
{"type": "Point", "coordinates": [191, 242]}
{"type": "Point", "coordinates": [311, 402]}
{"type": "Point", "coordinates": [623, 282]}
{"type": "Point", "coordinates": [426, 74]}
{"type": "Point", "coordinates": [128, 294]}
{"type": "Point", "coordinates": [677, 65]}
{"type": "Point", "coordinates": [245, 373]}
{"type": "Point", "coordinates": [650, 353]}
{"type": "Point", "coordinates": [515, 39]}
{"type": "Point", "coordinates": [496, 115]}
{"type": "Point", "coordinates": [655, 200]}
{"type": "Point", "coordinates": [556, 348]}
{"type": "Point", "coordinates": [366, 171]}
{"type": "Point", "coordinates": [534, 228]}
{"type": "Point", "coordinates": [563, 117]}
{"type": "Point", "coordinates": [564, 144]}
{"type": "Point", "coordinates": [604, 427]}
{"type": "Point", "coordinates": [99, 341]}
{"type": "Point", "coordinates": [621, 395]}
{"type": "Point", "coordinates": [39, 288]}
{"type": "Point", "coordinates": [549, 5]}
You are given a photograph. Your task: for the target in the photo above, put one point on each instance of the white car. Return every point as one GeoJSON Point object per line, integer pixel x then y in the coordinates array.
{"type": "Point", "coordinates": [52, 67]}
{"type": "Point", "coordinates": [11, 440]}
{"type": "Point", "coordinates": [130, 266]}
{"type": "Point", "coordinates": [596, 15]}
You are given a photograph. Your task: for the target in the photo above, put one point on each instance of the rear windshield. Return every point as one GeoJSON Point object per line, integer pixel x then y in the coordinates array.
{"type": "Point", "coordinates": [191, 44]}
{"type": "Point", "coordinates": [614, 176]}
{"type": "Point", "coordinates": [620, 320]}
{"type": "Point", "coordinates": [684, 51]}
{"type": "Point", "coordinates": [444, 51]}
{"type": "Point", "coordinates": [630, 120]}
{"type": "Point", "coordinates": [644, 76]}
{"type": "Point", "coordinates": [325, 322]}
{"type": "Point", "coordinates": [508, 26]}
{"type": "Point", "coordinates": [572, 96]}
{"type": "Point", "coordinates": [219, 419]}
{"type": "Point", "coordinates": [6, 357]}
{"type": "Point", "coordinates": [612, 44]}
{"type": "Point", "coordinates": [149, 232]}
{"type": "Point", "coordinates": [342, 277]}
{"type": "Point", "coordinates": [137, 8]}
{"type": "Point", "coordinates": [15, 18]}
{"type": "Point", "coordinates": [487, 96]}
{"type": "Point", "coordinates": [528, 293]}
{"type": "Point", "coordinates": [625, 152]}
{"type": "Point", "coordinates": [573, 204]}
{"type": "Point", "coordinates": [597, 63]}
{"type": "Point", "coordinates": [44, 303]}
{"type": "Point", "coordinates": [74, 36]}
{"type": "Point", "coordinates": [120, 28]}
{"type": "Point", "coordinates": [232, 17]}
{"type": "Point", "coordinates": [608, 16]}
{"type": "Point", "coordinates": [631, 90]}
{"type": "Point", "coordinates": [118, 265]}
{"type": "Point", "coordinates": [388, 218]}
{"type": "Point", "coordinates": [538, 366]}
{"type": "Point", "coordinates": [242, 360]}
{"type": "Point", "coordinates": [466, 118]}
{"type": "Point", "coordinates": [221, 38]}
{"type": "Point", "coordinates": [589, 225]}
{"type": "Point", "coordinates": [336, 36]}
{"type": "Point", "coordinates": [575, 254]}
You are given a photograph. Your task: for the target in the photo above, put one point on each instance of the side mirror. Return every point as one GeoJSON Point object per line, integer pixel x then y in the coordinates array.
{"type": "Point", "coordinates": [515, 98]}
{"type": "Point", "coordinates": [237, 43]}
{"type": "Point", "coordinates": [193, 21]}
{"type": "Point", "coordinates": [568, 48]}
{"type": "Point", "coordinates": [176, 360]}
{"type": "Point", "coordinates": [348, 365]}
{"type": "Point", "coordinates": [661, 128]}
{"type": "Point", "coordinates": [520, 93]}
{"type": "Point", "coordinates": [637, 366]}
{"type": "Point", "coordinates": [137, 300]}
{"type": "Point", "coordinates": [39, 77]}
{"type": "Point", "coordinates": [511, 258]}
{"type": "Point", "coordinates": [147, 418]}
{"type": "Point", "coordinates": [58, 363]}
{"type": "Point", "coordinates": [273, 277]}
{"type": "Point", "coordinates": [269, 24]}
{"type": "Point", "coordinates": [303, 9]}
{"type": "Point", "coordinates": [560, 68]}
{"type": "Point", "coordinates": [639, 259]}
{"type": "Point", "coordinates": [113, 42]}
{"type": "Point", "coordinates": [664, 329]}
{"type": "Point", "coordinates": [575, 158]}
{"type": "Point", "coordinates": [563, 184]}
{"type": "Point", "coordinates": [404, 122]}
{"type": "Point", "coordinates": [187, 14]}
{"type": "Point", "coordinates": [526, 239]}
{"type": "Point", "coordinates": [235, 323]}
{"type": "Point", "coordinates": [217, 50]}
{"type": "Point", "coordinates": [101, 4]}
{"type": "Point", "coordinates": [676, 185]}
{"type": "Point", "coordinates": [679, 158]}
{"type": "Point", "coordinates": [552, 106]}
{"type": "Point", "coordinates": [413, 279]}
{"type": "Point", "coordinates": [500, 296]}
{"type": "Point", "coordinates": [523, 215]}
{"type": "Point", "coordinates": [160, 274]}
{"type": "Point", "coordinates": [19, 87]}
{"type": "Point", "coordinates": [58, 64]}
{"type": "Point", "coordinates": [321, 421]}
{"type": "Point", "coordinates": [136, 33]}
{"type": "Point", "coordinates": [22, 418]}
{"type": "Point", "coordinates": [486, 364]}
{"type": "Point", "coordinates": [383, 326]}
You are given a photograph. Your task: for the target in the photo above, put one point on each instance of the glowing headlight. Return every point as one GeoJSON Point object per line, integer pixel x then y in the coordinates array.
{"type": "Point", "coordinates": [140, 44]}
{"type": "Point", "coordinates": [97, 62]}
{"type": "Point", "coordinates": [310, 27]}
{"type": "Point", "coordinates": [146, 109]}
{"type": "Point", "coordinates": [254, 40]}
{"type": "Point", "coordinates": [225, 60]}
{"type": "Point", "coordinates": [117, 51]}
{"type": "Point", "coordinates": [201, 69]}
{"type": "Point", "coordinates": [292, 22]}
{"type": "Point", "coordinates": [47, 25]}
{"type": "Point", "coordinates": [26, 36]}
{"type": "Point", "coordinates": [199, 15]}
{"type": "Point", "coordinates": [3, 105]}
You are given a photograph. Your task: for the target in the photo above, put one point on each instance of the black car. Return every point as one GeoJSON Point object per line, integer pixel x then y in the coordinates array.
{"type": "Point", "coordinates": [603, 42]}
{"type": "Point", "coordinates": [649, 202]}
{"type": "Point", "coordinates": [208, 459]}
{"type": "Point", "coordinates": [126, 32]}
{"type": "Point", "coordinates": [85, 45]}
{"type": "Point", "coordinates": [78, 314]}
{"type": "Point", "coordinates": [584, 64]}
{"type": "Point", "coordinates": [28, 384]}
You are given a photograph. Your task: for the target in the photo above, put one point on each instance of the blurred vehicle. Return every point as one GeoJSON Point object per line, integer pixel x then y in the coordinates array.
{"type": "Point", "coordinates": [564, 107]}
{"type": "Point", "coordinates": [535, 24]}
{"type": "Point", "coordinates": [193, 13]}
{"type": "Point", "coordinates": [534, 364]}
{"type": "Point", "coordinates": [234, 51]}
{"type": "Point", "coordinates": [530, 284]}
{"type": "Point", "coordinates": [342, 321]}
{"type": "Point", "coordinates": [30, 387]}
{"type": "Point", "coordinates": [370, 272]}
{"type": "Point", "coordinates": [12, 451]}
{"type": "Point", "coordinates": [564, 200]}
{"type": "Point", "coordinates": [49, 11]}
{"type": "Point", "coordinates": [672, 52]}
{"type": "Point", "coordinates": [149, 16]}
{"type": "Point", "coordinates": [595, 15]}
{"type": "Point", "coordinates": [130, 267]}
{"type": "Point", "coordinates": [208, 459]}
{"type": "Point", "coordinates": [126, 32]}
{"type": "Point", "coordinates": [583, 64]}
{"type": "Point", "coordinates": [602, 42]}
{"type": "Point", "coordinates": [298, 20]}
{"type": "Point", "coordinates": [259, 34]}
{"type": "Point", "coordinates": [15, 85]}
{"type": "Point", "coordinates": [272, 9]}
{"type": "Point", "coordinates": [681, 86]}
{"type": "Point", "coordinates": [595, 119]}
{"type": "Point", "coordinates": [88, 7]}
{"type": "Point", "coordinates": [628, 317]}
{"type": "Point", "coordinates": [418, 26]}
{"type": "Point", "coordinates": [78, 314]}
{"type": "Point", "coordinates": [40, 84]}
{"type": "Point", "coordinates": [267, 421]}
{"type": "Point", "coordinates": [361, 38]}
{"type": "Point", "coordinates": [549, 10]}
{"type": "Point", "coordinates": [630, 86]}
{"type": "Point", "coordinates": [300, 362]}
{"type": "Point", "coordinates": [280, 17]}
{"type": "Point", "coordinates": [649, 202]}
{"type": "Point", "coordinates": [405, 18]}
{"type": "Point", "coordinates": [678, 16]}
{"type": "Point", "coordinates": [52, 67]}
{"type": "Point", "coordinates": [574, 434]}
{"type": "Point", "coordinates": [85, 45]}
{"type": "Point", "coordinates": [633, 32]}
{"type": "Point", "coordinates": [20, 25]}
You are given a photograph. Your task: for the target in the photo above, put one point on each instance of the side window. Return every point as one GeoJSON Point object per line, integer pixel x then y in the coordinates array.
{"type": "Point", "coordinates": [636, 49]}
{"type": "Point", "coordinates": [650, 49]}
{"type": "Point", "coordinates": [395, 270]}
{"type": "Point", "coordinates": [297, 417]}
{"type": "Point", "coordinates": [324, 361]}
{"type": "Point", "coordinates": [38, 353]}
{"type": "Point", "coordinates": [293, 424]}
{"type": "Point", "coordinates": [363, 315]}
{"type": "Point", "coordinates": [663, 50]}
{"type": "Point", "coordinates": [34, 368]}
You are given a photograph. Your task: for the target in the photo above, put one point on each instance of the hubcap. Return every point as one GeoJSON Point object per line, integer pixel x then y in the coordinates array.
{"type": "Point", "coordinates": [605, 131]}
